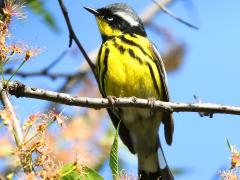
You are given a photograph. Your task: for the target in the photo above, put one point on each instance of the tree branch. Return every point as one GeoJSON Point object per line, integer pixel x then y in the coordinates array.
{"type": "Point", "coordinates": [72, 36]}
{"type": "Point", "coordinates": [14, 122]}
{"type": "Point", "coordinates": [20, 90]}
{"type": "Point", "coordinates": [16, 131]}
{"type": "Point", "coordinates": [53, 76]}
{"type": "Point", "coordinates": [55, 61]}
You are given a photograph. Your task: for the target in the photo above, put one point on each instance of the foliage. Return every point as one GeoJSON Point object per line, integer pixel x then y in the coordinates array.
{"type": "Point", "coordinates": [114, 156]}
{"type": "Point", "coordinates": [74, 171]}
{"type": "Point", "coordinates": [9, 51]}
{"type": "Point", "coordinates": [234, 171]}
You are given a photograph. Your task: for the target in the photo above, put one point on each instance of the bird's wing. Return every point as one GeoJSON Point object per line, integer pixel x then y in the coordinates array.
{"type": "Point", "coordinates": [167, 118]}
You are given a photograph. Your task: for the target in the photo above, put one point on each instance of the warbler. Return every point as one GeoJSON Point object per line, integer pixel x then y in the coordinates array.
{"type": "Point", "coordinates": [128, 64]}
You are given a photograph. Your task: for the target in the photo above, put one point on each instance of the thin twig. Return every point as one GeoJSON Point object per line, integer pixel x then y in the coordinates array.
{"type": "Point", "coordinates": [55, 62]}
{"type": "Point", "coordinates": [20, 90]}
{"type": "Point", "coordinates": [16, 131]}
{"type": "Point", "coordinates": [14, 124]}
{"type": "Point", "coordinates": [167, 11]}
{"type": "Point", "coordinates": [46, 74]}
{"type": "Point", "coordinates": [152, 10]}
{"type": "Point", "coordinates": [72, 36]}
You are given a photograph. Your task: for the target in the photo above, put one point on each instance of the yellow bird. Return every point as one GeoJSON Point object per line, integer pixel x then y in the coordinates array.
{"type": "Point", "coordinates": [128, 64]}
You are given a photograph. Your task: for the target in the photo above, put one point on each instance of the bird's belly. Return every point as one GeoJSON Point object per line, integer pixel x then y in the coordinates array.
{"type": "Point", "coordinates": [142, 123]}
{"type": "Point", "coordinates": [127, 78]}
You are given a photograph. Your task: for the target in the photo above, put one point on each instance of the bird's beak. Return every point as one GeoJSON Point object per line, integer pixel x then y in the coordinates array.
{"type": "Point", "coordinates": [91, 10]}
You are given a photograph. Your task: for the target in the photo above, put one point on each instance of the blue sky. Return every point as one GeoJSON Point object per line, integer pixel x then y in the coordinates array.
{"type": "Point", "coordinates": [210, 70]}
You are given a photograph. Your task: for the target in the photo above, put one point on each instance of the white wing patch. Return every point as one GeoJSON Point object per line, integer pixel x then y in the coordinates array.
{"type": "Point", "coordinates": [161, 159]}
{"type": "Point", "coordinates": [127, 18]}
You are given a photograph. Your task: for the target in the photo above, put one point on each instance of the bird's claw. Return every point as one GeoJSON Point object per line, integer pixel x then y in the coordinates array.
{"type": "Point", "coordinates": [151, 101]}
{"type": "Point", "coordinates": [111, 100]}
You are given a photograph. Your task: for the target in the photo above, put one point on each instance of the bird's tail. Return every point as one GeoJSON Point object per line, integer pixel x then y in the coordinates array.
{"type": "Point", "coordinates": [163, 172]}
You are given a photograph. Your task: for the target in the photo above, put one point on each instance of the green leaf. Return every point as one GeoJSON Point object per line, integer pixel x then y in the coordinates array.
{"type": "Point", "coordinates": [91, 174]}
{"type": "Point", "coordinates": [114, 165]}
{"type": "Point", "coordinates": [37, 7]}
{"type": "Point", "coordinates": [69, 172]}
{"type": "Point", "coordinates": [229, 145]}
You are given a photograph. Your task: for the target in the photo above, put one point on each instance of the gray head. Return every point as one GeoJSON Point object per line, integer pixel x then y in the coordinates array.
{"type": "Point", "coordinates": [118, 18]}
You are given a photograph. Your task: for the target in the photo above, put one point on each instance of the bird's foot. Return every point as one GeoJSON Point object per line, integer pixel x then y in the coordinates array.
{"type": "Point", "coordinates": [151, 101]}
{"type": "Point", "coordinates": [111, 100]}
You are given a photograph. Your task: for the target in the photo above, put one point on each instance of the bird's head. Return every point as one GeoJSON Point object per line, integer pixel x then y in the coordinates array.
{"type": "Point", "coordinates": [117, 19]}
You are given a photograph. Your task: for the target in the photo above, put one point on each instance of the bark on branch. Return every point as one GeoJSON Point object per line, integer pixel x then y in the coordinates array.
{"type": "Point", "coordinates": [20, 90]}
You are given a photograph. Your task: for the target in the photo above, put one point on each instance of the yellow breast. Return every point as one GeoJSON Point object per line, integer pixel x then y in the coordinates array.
{"type": "Point", "coordinates": [126, 68]}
